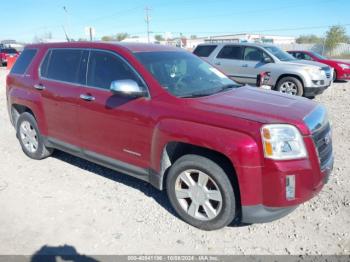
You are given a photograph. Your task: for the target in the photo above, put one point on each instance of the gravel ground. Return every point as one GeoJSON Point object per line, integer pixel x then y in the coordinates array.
{"type": "Point", "coordinates": [64, 200]}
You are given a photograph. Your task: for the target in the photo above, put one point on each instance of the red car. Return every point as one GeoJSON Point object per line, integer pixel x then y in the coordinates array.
{"type": "Point", "coordinates": [221, 151]}
{"type": "Point", "coordinates": [5, 53]}
{"type": "Point", "coordinates": [341, 69]}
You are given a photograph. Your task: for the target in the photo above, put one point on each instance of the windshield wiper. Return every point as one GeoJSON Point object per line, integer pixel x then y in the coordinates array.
{"type": "Point", "coordinates": [228, 86]}
{"type": "Point", "coordinates": [210, 91]}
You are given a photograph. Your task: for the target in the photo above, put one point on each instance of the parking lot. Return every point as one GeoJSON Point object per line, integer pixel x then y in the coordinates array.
{"type": "Point", "coordinates": [64, 200]}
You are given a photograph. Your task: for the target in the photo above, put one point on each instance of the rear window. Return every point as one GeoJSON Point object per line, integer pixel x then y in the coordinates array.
{"type": "Point", "coordinates": [9, 51]}
{"type": "Point", "coordinates": [64, 65]}
{"type": "Point", "coordinates": [231, 52]}
{"type": "Point", "coordinates": [204, 50]}
{"type": "Point", "coordinates": [23, 61]}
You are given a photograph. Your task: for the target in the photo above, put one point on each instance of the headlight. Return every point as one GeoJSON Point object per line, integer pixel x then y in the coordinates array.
{"type": "Point", "coordinates": [312, 70]}
{"type": "Point", "coordinates": [344, 66]}
{"type": "Point", "coordinates": [282, 142]}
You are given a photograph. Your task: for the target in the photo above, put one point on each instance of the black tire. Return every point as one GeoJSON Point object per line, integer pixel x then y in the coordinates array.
{"type": "Point", "coordinates": [295, 81]}
{"type": "Point", "coordinates": [227, 212]}
{"type": "Point", "coordinates": [41, 151]}
{"type": "Point", "coordinates": [335, 76]}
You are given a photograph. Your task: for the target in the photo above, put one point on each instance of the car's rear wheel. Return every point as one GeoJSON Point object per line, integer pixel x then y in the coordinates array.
{"type": "Point", "coordinates": [201, 192]}
{"type": "Point", "coordinates": [291, 86]}
{"type": "Point", "coordinates": [29, 136]}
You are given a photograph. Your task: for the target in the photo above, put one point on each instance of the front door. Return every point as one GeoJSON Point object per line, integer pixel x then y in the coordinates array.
{"type": "Point", "coordinates": [113, 125]}
{"type": "Point", "coordinates": [253, 64]}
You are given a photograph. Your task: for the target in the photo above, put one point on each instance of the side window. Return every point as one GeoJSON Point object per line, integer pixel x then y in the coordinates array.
{"type": "Point", "coordinates": [65, 65]}
{"type": "Point", "coordinates": [293, 54]}
{"type": "Point", "coordinates": [307, 57]}
{"type": "Point", "coordinates": [23, 61]}
{"type": "Point", "coordinates": [253, 54]}
{"type": "Point", "coordinates": [105, 67]}
{"type": "Point", "coordinates": [204, 50]}
{"type": "Point", "coordinates": [231, 52]}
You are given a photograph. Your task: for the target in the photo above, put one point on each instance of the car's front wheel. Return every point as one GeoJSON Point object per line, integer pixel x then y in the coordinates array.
{"type": "Point", "coordinates": [29, 136]}
{"type": "Point", "coordinates": [335, 76]}
{"type": "Point", "coordinates": [201, 192]}
{"type": "Point", "coordinates": [291, 86]}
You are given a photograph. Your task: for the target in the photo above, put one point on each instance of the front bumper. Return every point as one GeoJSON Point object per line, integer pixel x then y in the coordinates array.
{"type": "Point", "coordinates": [344, 75]}
{"type": "Point", "coordinates": [264, 214]}
{"type": "Point", "coordinates": [313, 91]}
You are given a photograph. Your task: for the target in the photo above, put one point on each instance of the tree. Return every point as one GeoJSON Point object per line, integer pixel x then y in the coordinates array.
{"type": "Point", "coordinates": [159, 37]}
{"type": "Point", "coordinates": [107, 38]}
{"type": "Point", "coordinates": [334, 36]}
{"type": "Point", "coordinates": [309, 39]}
{"type": "Point", "coordinates": [193, 37]}
{"type": "Point", "coordinates": [121, 36]}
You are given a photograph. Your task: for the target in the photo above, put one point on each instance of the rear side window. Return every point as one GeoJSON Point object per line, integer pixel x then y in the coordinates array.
{"type": "Point", "coordinates": [231, 52]}
{"type": "Point", "coordinates": [65, 65]}
{"type": "Point", "coordinates": [105, 67]}
{"type": "Point", "coordinates": [204, 50]}
{"type": "Point", "coordinates": [23, 61]}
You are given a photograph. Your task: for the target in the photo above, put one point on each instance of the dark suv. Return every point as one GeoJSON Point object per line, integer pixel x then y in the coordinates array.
{"type": "Point", "coordinates": [167, 117]}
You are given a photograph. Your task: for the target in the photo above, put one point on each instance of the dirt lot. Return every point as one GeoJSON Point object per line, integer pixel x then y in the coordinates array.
{"type": "Point", "coordinates": [66, 200]}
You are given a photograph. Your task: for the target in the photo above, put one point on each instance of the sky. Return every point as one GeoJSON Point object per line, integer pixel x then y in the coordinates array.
{"type": "Point", "coordinates": [22, 20]}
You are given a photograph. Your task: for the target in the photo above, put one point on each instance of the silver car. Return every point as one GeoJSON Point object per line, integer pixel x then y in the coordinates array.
{"type": "Point", "coordinates": [244, 61]}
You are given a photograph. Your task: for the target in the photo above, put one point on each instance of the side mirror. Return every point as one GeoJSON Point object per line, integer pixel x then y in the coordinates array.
{"type": "Point", "coordinates": [267, 60]}
{"type": "Point", "coordinates": [127, 87]}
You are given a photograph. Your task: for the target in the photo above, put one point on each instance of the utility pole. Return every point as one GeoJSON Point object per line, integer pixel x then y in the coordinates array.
{"type": "Point", "coordinates": [90, 33]}
{"type": "Point", "coordinates": [147, 19]}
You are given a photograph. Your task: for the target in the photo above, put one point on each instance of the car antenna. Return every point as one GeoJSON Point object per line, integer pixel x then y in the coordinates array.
{"type": "Point", "coordinates": [65, 33]}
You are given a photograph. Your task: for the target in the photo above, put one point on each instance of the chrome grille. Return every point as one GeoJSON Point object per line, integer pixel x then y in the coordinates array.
{"type": "Point", "coordinates": [318, 124]}
{"type": "Point", "coordinates": [323, 142]}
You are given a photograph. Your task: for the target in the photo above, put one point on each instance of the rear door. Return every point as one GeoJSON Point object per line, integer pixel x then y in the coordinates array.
{"type": "Point", "coordinates": [62, 74]}
{"type": "Point", "coordinates": [230, 60]}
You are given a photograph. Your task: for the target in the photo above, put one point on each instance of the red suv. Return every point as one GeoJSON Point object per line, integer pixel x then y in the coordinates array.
{"type": "Point", "coordinates": [5, 53]}
{"type": "Point", "coordinates": [341, 69]}
{"type": "Point", "coordinates": [163, 115]}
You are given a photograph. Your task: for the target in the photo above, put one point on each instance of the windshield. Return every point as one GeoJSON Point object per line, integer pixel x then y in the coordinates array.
{"type": "Point", "coordinates": [9, 51]}
{"type": "Point", "coordinates": [279, 53]}
{"type": "Point", "coordinates": [185, 75]}
{"type": "Point", "coordinates": [319, 56]}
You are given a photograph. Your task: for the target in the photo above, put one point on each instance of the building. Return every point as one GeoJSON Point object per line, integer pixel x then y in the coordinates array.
{"type": "Point", "coordinates": [238, 38]}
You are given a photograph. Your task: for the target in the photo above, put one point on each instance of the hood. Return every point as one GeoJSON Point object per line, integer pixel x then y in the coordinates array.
{"type": "Point", "coordinates": [305, 62]}
{"type": "Point", "coordinates": [258, 105]}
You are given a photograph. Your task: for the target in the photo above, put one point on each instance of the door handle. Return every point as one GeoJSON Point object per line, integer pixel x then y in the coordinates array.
{"type": "Point", "coordinates": [39, 87]}
{"type": "Point", "coordinates": [245, 65]}
{"type": "Point", "coordinates": [217, 63]}
{"type": "Point", "coordinates": [87, 97]}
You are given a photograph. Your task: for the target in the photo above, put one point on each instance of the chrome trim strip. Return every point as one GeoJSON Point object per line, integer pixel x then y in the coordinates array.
{"type": "Point", "coordinates": [131, 152]}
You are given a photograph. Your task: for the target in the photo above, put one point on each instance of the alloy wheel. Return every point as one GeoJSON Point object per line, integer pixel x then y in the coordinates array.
{"type": "Point", "coordinates": [29, 137]}
{"type": "Point", "coordinates": [198, 195]}
{"type": "Point", "coordinates": [289, 88]}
